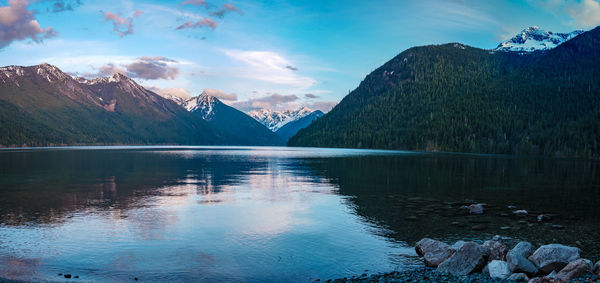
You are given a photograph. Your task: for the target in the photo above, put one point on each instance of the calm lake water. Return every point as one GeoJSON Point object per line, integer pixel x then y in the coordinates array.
{"type": "Point", "coordinates": [271, 213]}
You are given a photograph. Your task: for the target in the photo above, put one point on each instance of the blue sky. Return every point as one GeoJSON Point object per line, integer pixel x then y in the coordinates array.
{"type": "Point", "coordinates": [253, 54]}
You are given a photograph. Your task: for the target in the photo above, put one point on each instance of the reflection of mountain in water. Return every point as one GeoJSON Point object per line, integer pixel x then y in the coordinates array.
{"type": "Point", "coordinates": [420, 195]}
{"type": "Point", "coordinates": [43, 186]}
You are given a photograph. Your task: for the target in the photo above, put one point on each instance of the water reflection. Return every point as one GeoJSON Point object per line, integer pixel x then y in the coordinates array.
{"type": "Point", "coordinates": [268, 214]}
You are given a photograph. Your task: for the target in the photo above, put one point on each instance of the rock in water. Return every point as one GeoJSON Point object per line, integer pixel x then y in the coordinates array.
{"type": "Point", "coordinates": [434, 252]}
{"type": "Point", "coordinates": [476, 208]}
{"type": "Point", "coordinates": [497, 250]}
{"type": "Point", "coordinates": [518, 277]}
{"type": "Point", "coordinates": [554, 257]}
{"type": "Point", "coordinates": [597, 267]}
{"type": "Point", "coordinates": [521, 212]}
{"type": "Point", "coordinates": [466, 260]}
{"type": "Point", "coordinates": [499, 269]}
{"type": "Point", "coordinates": [517, 259]}
{"type": "Point", "coordinates": [575, 269]}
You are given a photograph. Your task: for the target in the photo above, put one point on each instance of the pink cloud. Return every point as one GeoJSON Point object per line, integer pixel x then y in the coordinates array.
{"type": "Point", "coordinates": [226, 9]}
{"type": "Point", "coordinates": [206, 22]}
{"type": "Point", "coordinates": [18, 23]}
{"type": "Point", "coordinates": [138, 13]}
{"type": "Point", "coordinates": [123, 26]}
{"type": "Point", "coordinates": [195, 2]}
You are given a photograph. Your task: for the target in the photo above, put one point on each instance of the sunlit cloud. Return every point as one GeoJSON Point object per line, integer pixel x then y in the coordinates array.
{"type": "Point", "coordinates": [583, 14]}
{"type": "Point", "coordinates": [227, 8]}
{"type": "Point", "coordinates": [19, 23]}
{"type": "Point", "coordinates": [220, 94]}
{"type": "Point", "coordinates": [206, 22]}
{"type": "Point", "coordinates": [122, 26]}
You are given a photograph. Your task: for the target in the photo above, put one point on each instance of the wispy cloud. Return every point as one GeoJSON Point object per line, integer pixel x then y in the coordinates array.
{"type": "Point", "coordinates": [310, 95]}
{"type": "Point", "coordinates": [206, 22]}
{"type": "Point", "coordinates": [226, 8]}
{"type": "Point", "coordinates": [146, 68]}
{"type": "Point", "coordinates": [168, 92]}
{"type": "Point", "coordinates": [220, 94]}
{"type": "Point", "coordinates": [19, 23]}
{"type": "Point", "coordinates": [195, 2]}
{"type": "Point", "coordinates": [122, 26]}
{"type": "Point", "coordinates": [63, 5]}
{"type": "Point", "coordinates": [273, 101]}
{"type": "Point", "coordinates": [583, 14]}
{"type": "Point", "coordinates": [268, 66]}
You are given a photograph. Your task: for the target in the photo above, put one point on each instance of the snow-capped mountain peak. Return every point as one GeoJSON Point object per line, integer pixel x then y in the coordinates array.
{"type": "Point", "coordinates": [534, 38]}
{"type": "Point", "coordinates": [275, 119]}
{"type": "Point", "coordinates": [203, 104]}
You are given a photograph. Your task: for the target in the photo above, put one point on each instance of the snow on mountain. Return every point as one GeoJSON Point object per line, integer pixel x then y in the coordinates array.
{"type": "Point", "coordinates": [534, 38]}
{"type": "Point", "coordinates": [274, 119]}
{"type": "Point", "coordinates": [203, 104]}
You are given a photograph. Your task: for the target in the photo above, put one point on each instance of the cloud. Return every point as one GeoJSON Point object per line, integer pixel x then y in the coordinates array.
{"type": "Point", "coordinates": [310, 95]}
{"type": "Point", "coordinates": [170, 92]}
{"type": "Point", "coordinates": [195, 2]}
{"type": "Point", "coordinates": [63, 5]}
{"type": "Point", "coordinates": [324, 106]}
{"type": "Point", "coordinates": [146, 68]}
{"type": "Point", "coordinates": [221, 94]}
{"type": "Point", "coordinates": [268, 66]}
{"type": "Point", "coordinates": [226, 9]}
{"type": "Point", "coordinates": [138, 13]}
{"type": "Point", "coordinates": [291, 68]}
{"type": "Point", "coordinates": [272, 101]}
{"type": "Point", "coordinates": [206, 22]}
{"type": "Point", "coordinates": [584, 13]}
{"type": "Point", "coordinates": [18, 23]}
{"type": "Point", "coordinates": [123, 26]}
{"type": "Point", "coordinates": [152, 68]}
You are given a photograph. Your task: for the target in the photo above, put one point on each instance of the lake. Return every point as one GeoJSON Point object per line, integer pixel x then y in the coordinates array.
{"type": "Point", "coordinates": [272, 213]}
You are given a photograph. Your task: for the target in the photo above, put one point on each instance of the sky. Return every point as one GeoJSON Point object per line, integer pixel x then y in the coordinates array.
{"type": "Point", "coordinates": [273, 54]}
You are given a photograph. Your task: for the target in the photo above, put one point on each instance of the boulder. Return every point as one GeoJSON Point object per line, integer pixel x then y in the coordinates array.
{"type": "Point", "coordinates": [545, 280]}
{"type": "Point", "coordinates": [597, 267]}
{"type": "Point", "coordinates": [544, 217]}
{"type": "Point", "coordinates": [497, 250]}
{"type": "Point", "coordinates": [523, 249]}
{"type": "Point", "coordinates": [521, 277]}
{"type": "Point", "coordinates": [554, 257]}
{"type": "Point", "coordinates": [517, 259]}
{"type": "Point", "coordinates": [575, 269]}
{"type": "Point", "coordinates": [498, 269]}
{"type": "Point", "coordinates": [470, 258]}
{"type": "Point", "coordinates": [434, 252]}
{"type": "Point", "coordinates": [457, 245]}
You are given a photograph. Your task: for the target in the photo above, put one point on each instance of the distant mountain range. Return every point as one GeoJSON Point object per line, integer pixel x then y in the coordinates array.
{"type": "Point", "coordinates": [41, 105]}
{"type": "Point", "coordinates": [291, 128]}
{"type": "Point", "coordinates": [231, 120]}
{"type": "Point", "coordinates": [275, 119]}
{"type": "Point", "coordinates": [457, 98]}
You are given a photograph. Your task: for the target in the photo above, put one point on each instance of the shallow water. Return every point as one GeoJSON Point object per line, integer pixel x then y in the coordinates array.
{"type": "Point", "coordinates": [268, 213]}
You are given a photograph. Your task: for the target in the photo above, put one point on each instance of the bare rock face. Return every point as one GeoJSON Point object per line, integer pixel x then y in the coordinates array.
{"type": "Point", "coordinates": [499, 269]}
{"type": "Point", "coordinates": [575, 269]}
{"type": "Point", "coordinates": [434, 252]}
{"type": "Point", "coordinates": [554, 257]}
{"type": "Point", "coordinates": [497, 250]}
{"type": "Point", "coordinates": [517, 259]}
{"type": "Point", "coordinates": [470, 258]}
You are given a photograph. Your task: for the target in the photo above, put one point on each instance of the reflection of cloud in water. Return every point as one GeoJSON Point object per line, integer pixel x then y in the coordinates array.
{"type": "Point", "coordinates": [18, 268]}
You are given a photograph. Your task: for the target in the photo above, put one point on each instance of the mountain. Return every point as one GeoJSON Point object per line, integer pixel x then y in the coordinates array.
{"type": "Point", "coordinates": [290, 129]}
{"type": "Point", "coordinates": [41, 105]}
{"type": "Point", "coordinates": [457, 98]}
{"type": "Point", "coordinates": [232, 121]}
{"type": "Point", "coordinates": [275, 119]}
{"type": "Point", "coordinates": [533, 39]}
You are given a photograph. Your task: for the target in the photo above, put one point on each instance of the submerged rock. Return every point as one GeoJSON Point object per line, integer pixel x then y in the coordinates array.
{"type": "Point", "coordinates": [575, 269]}
{"type": "Point", "coordinates": [479, 227]}
{"type": "Point", "coordinates": [554, 257]}
{"type": "Point", "coordinates": [520, 212]}
{"type": "Point", "coordinates": [544, 217]}
{"type": "Point", "coordinates": [498, 269]}
{"type": "Point", "coordinates": [434, 252]}
{"type": "Point", "coordinates": [476, 208]}
{"type": "Point", "coordinates": [466, 260]}
{"type": "Point", "coordinates": [497, 250]}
